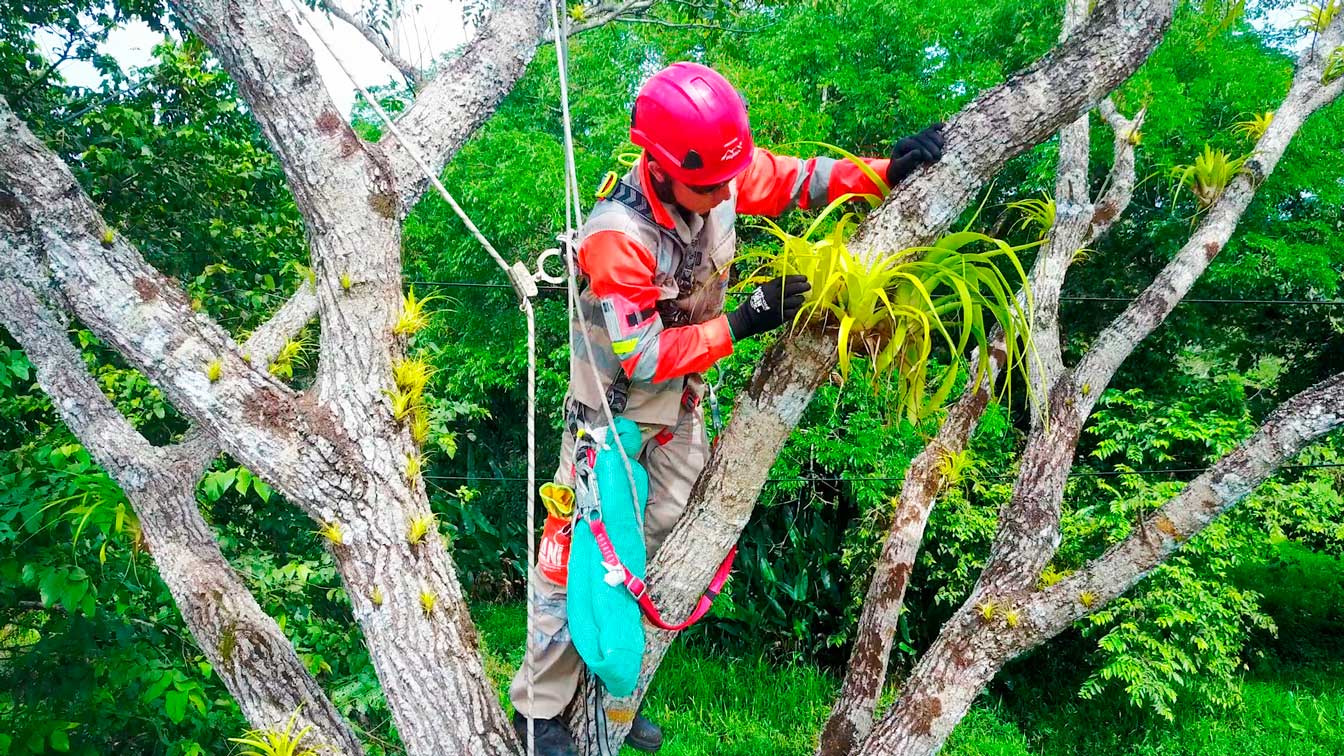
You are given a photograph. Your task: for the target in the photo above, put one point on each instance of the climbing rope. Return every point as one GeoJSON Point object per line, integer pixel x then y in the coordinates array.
{"type": "Point", "coordinates": [574, 221]}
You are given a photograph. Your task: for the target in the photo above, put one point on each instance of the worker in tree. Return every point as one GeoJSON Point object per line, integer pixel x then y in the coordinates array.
{"type": "Point", "coordinates": [654, 259]}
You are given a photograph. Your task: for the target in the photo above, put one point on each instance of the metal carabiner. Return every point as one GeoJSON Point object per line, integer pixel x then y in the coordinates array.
{"type": "Point", "coordinates": [541, 275]}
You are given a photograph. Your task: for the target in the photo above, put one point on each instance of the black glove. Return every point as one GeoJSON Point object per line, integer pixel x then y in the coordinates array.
{"type": "Point", "coordinates": [914, 151]}
{"type": "Point", "coordinates": [770, 306]}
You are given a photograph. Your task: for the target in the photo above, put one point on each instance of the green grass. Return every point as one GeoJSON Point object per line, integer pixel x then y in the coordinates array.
{"type": "Point", "coordinates": [1299, 714]}
{"type": "Point", "coordinates": [707, 705]}
{"type": "Point", "coordinates": [1292, 699]}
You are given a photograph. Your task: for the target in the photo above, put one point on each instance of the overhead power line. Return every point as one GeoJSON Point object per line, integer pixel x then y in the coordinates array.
{"type": "Point", "coordinates": [898, 478]}
{"type": "Point", "coordinates": [1066, 298]}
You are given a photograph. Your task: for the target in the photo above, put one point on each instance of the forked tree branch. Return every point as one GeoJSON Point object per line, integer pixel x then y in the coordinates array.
{"type": "Point", "coordinates": [94, 273]}
{"type": "Point", "coordinates": [412, 73]}
{"type": "Point", "coordinates": [969, 649]}
{"type": "Point", "coordinates": [246, 647]}
{"type": "Point", "coordinates": [1028, 532]}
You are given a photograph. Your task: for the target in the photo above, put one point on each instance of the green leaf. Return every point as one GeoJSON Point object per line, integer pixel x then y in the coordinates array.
{"type": "Point", "coordinates": [244, 478]}
{"type": "Point", "coordinates": [157, 687]}
{"type": "Point", "coordinates": [60, 741]}
{"type": "Point", "coordinates": [175, 704]}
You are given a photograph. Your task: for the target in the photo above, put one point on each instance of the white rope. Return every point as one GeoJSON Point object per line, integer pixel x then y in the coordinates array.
{"type": "Point", "coordinates": [531, 647]}
{"type": "Point", "coordinates": [525, 290]}
{"type": "Point", "coordinates": [573, 205]}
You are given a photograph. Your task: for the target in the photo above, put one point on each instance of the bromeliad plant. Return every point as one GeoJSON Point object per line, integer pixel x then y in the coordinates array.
{"type": "Point", "coordinates": [1254, 127]}
{"type": "Point", "coordinates": [1036, 213]}
{"type": "Point", "coordinates": [1317, 16]}
{"type": "Point", "coordinates": [413, 316]}
{"type": "Point", "coordinates": [1334, 66]}
{"type": "Point", "coordinates": [895, 308]}
{"type": "Point", "coordinates": [284, 742]}
{"type": "Point", "coordinates": [1208, 176]}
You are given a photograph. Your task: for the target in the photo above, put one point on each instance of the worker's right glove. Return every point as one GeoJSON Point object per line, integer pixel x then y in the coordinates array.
{"type": "Point", "coordinates": [770, 306]}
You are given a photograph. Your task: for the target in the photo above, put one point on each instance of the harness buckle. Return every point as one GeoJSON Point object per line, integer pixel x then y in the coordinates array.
{"type": "Point", "coordinates": [615, 574]}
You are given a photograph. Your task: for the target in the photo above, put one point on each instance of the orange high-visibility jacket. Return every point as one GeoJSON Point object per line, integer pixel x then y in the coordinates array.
{"type": "Point", "coordinates": [656, 279]}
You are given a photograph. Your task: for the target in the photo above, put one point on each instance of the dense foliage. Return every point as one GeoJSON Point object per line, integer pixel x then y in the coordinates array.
{"type": "Point", "coordinates": [94, 657]}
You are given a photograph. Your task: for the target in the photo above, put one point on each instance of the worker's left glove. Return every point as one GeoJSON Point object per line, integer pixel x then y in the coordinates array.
{"type": "Point", "coordinates": [914, 151]}
{"type": "Point", "coordinates": [770, 306]}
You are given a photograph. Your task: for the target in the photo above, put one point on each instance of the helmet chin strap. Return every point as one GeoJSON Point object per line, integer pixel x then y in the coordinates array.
{"type": "Point", "coordinates": [662, 185]}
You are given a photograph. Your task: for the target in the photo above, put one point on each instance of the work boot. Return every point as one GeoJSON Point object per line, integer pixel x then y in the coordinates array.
{"type": "Point", "coordinates": [552, 739]}
{"type": "Point", "coordinates": [644, 735]}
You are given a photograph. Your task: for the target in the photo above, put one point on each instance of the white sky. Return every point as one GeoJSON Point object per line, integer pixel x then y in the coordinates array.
{"type": "Point", "coordinates": [426, 30]}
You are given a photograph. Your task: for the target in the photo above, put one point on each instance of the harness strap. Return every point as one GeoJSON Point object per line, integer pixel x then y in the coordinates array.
{"type": "Point", "coordinates": [632, 198]}
{"type": "Point", "coordinates": [639, 590]}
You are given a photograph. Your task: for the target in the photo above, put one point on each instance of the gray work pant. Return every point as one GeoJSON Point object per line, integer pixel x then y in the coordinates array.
{"type": "Point", "coordinates": [673, 468]}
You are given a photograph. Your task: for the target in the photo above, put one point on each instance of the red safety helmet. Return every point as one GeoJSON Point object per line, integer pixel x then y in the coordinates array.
{"type": "Point", "coordinates": [693, 123]}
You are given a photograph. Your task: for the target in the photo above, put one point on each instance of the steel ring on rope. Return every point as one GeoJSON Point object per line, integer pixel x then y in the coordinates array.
{"type": "Point", "coordinates": [541, 274]}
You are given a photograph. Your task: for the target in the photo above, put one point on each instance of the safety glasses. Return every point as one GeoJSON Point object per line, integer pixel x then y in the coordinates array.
{"type": "Point", "coordinates": [710, 189]}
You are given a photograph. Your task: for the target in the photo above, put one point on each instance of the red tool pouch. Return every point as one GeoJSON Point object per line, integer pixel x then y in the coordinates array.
{"type": "Point", "coordinates": [553, 552]}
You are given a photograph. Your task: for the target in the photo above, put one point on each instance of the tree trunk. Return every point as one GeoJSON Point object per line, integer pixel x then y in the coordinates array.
{"type": "Point", "coordinates": [421, 640]}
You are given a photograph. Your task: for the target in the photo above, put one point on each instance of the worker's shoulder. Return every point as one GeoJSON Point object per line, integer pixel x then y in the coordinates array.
{"type": "Point", "coordinates": [612, 215]}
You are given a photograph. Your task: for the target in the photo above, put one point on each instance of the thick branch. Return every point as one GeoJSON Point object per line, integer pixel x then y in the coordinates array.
{"type": "Point", "coordinates": [1286, 432]}
{"type": "Point", "coordinates": [1016, 115]}
{"type": "Point", "coordinates": [97, 275]}
{"type": "Point", "coordinates": [852, 714]}
{"type": "Point", "coordinates": [248, 650]}
{"type": "Point", "coordinates": [413, 75]}
{"type": "Point", "coordinates": [1120, 182]}
{"type": "Point", "coordinates": [465, 92]}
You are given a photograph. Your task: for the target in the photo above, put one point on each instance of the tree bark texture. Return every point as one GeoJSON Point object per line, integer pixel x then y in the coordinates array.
{"type": "Point", "coordinates": [99, 277]}
{"type": "Point", "coordinates": [852, 715]}
{"type": "Point", "coordinates": [1028, 529]}
{"type": "Point", "coordinates": [246, 647]}
{"type": "Point", "coordinates": [335, 451]}
{"type": "Point", "coordinates": [971, 649]}
{"type": "Point", "coordinates": [1015, 116]}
